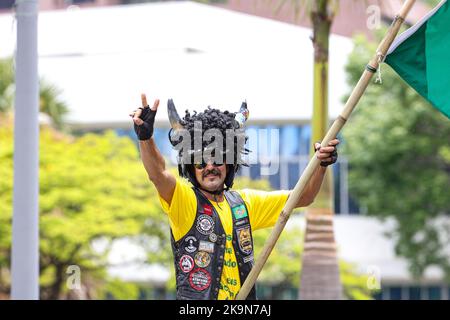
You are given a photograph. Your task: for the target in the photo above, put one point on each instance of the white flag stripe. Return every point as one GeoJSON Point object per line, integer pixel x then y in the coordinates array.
{"type": "Point", "coordinates": [405, 35]}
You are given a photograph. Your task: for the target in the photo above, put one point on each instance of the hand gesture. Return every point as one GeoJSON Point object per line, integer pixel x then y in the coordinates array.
{"type": "Point", "coordinates": [144, 119]}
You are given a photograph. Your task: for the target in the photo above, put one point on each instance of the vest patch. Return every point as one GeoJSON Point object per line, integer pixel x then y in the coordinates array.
{"type": "Point", "coordinates": [202, 259]}
{"type": "Point", "coordinates": [186, 263]}
{"type": "Point", "coordinates": [239, 212]}
{"type": "Point", "coordinates": [206, 246]}
{"type": "Point", "coordinates": [248, 259]}
{"type": "Point", "coordinates": [190, 244]}
{"type": "Point", "coordinates": [242, 221]}
{"type": "Point", "coordinates": [199, 279]}
{"type": "Point", "coordinates": [207, 210]}
{"type": "Point", "coordinates": [205, 224]}
{"type": "Point", "coordinates": [245, 240]}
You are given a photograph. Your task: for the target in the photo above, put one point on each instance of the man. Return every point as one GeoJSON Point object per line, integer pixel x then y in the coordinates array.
{"type": "Point", "coordinates": [211, 225]}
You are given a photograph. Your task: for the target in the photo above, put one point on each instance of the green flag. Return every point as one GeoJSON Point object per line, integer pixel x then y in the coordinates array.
{"type": "Point", "coordinates": [421, 56]}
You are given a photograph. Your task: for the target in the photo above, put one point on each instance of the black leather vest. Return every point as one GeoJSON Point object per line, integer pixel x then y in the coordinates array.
{"type": "Point", "coordinates": [199, 255]}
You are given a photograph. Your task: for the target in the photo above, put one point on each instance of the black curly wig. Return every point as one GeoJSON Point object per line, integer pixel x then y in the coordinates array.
{"type": "Point", "coordinates": [225, 122]}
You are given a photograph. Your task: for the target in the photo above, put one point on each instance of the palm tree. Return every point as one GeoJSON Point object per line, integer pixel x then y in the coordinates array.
{"type": "Point", "coordinates": [50, 102]}
{"type": "Point", "coordinates": [320, 277]}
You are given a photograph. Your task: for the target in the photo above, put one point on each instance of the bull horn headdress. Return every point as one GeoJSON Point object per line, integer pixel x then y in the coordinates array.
{"type": "Point", "coordinates": [226, 122]}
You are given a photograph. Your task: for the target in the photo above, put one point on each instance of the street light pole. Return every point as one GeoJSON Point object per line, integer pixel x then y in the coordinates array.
{"type": "Point", "coordinates": [25, 229]}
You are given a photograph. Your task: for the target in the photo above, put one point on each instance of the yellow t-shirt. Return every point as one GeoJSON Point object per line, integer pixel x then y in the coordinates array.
{"type": "Point", "coordinates": [263, 211]}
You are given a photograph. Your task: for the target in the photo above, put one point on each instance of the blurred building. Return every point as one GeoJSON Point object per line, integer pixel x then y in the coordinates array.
{"type": "Point", "coordinates": [202, 55]}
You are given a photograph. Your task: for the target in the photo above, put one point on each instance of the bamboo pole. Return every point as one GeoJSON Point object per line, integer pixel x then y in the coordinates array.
{"type": "Point", "coordinates": [313, 164]}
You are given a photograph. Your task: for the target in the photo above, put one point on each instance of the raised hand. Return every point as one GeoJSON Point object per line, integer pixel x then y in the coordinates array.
{"type": "Point", "coordinates": [144, 119]}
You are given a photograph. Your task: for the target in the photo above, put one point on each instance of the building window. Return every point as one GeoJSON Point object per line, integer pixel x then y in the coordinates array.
{"type": "Point", "coordinates": [378, 295]}
{"type": "Point", "coordinates": [264, 291]}
{"type": "Point", "coordinates": [434, 293]}
{"type": "Point", "coordinates": [414, 293]}
{"type": "Point", "coordinates": [395, 293]}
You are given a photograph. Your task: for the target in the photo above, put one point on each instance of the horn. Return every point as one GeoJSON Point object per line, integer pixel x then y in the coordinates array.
{"type": "Point", "coordinates": [242, 116]}
{"type": "Point", "coordinates": [174, 118]}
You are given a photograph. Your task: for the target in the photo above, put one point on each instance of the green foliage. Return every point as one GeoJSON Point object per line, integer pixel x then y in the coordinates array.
{"type": "Point", "coordinates": [91, 188]}
{"type": "Point", "coordinates": [354, 283]}
{"type": "Point", "coordinates": [6, 85]}
{"type": "Point", "coordinates": [397, 144]}
{"type": "Point", "coordinates": [51, 104]}
{"type": "Point", "coordinates": [283, 268]}
{"type": "Point", "coordinates": [119, 290]}
{"type": "Point", "coordinates": [284, 264]}
{"type": "Point", "coordinates": [6, 178]}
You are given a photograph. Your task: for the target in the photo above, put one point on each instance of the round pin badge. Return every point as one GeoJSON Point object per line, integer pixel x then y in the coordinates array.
{"type": "Point", "coordinates": [202, 259]}
{"type": "Point", "coordinates": [213, 237]}
{"type": "Point", "coordinates": [205, 224]}
{"type": "Point", "coordinates": [199, 279]}
{"type": "Point", "coordinates": [186, 263]}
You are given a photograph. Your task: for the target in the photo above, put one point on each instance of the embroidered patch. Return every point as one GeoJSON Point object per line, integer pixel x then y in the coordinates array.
{"type": "Point", "coordinates": [244, 240]}
{"type": "Point", "coordinates": [199, 279]}
{"type": "Point", "coordinates": [241, 222]}
{"type": "Point", "coordinates": [202, 259]}
{"type": "Point", "coordinates": [205, 224]}
{"type": "Point", "coordinates": [248, 259]}
{"type": "Point", "coordinates": [213, 237]}
{"type": "Point", "coordinates": [190, 244]}
{"type": "Point", "coordinates": [186, 263]}
{"type": "Point", "coordinates": [206, 246]}
{"type": "Point", "coordinates": [239, 212]}
{"type": "Point", "coordinates": [207, 209]}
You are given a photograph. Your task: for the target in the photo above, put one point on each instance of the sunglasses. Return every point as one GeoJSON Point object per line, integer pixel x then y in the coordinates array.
{"type": "Point", "coordinates": [201, 166]}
